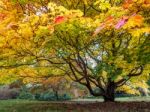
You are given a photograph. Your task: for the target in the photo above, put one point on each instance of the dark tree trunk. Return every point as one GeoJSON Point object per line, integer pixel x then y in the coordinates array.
{"type": "Point", "coordinates": [109, 95]}
{"type": "Point", "coordinates": [110, 98]}
{"type": "Point", "coordinates": [56, 94]}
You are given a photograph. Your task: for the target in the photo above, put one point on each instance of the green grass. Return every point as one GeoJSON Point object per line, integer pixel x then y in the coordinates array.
{"type": "Point", "coordinates": [132, 99]}
{"type": "Point", "coordinates": [28, 106]}
{"type": "Point", "coordinates": [120, 99]}
{"type": "Point", "coordinates": [84, 105]}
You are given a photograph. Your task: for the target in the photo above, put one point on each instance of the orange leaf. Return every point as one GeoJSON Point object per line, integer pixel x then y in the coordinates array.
{"type": "Point", "coordinates": [127, 4]}
{"type": "Point", "coordinates": [109, 18]}
{"type": "Point", "coordinates": [138, 18]}
{"type": "Point", "coordinates": [2, 16]}
{"type": "Point", "coordinates": [146, 1]}
{"type": "Point", "coordinates": [128, 1]}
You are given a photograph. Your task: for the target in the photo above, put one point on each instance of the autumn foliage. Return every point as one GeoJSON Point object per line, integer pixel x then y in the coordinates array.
{"type": "Point", "coordinates": [100, 44]}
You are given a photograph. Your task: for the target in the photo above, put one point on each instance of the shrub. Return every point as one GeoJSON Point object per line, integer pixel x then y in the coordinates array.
{"type": "Point", "coordinates": [123, 94]}
{"type": "Point", "coordinates": [7, 93]}
{"type": "Point", "coordinates": [37, 96]}
{"type": "Point", "coordinates": [26, 95]}
{"type": "Point", "coordinates": [48, 96]}
{"type": "Point", "coordinates": [65, 97]}
{"type": "Point", "coordinates": [51, 96]}
{"type": "Point", "coordinates": [14, 93]}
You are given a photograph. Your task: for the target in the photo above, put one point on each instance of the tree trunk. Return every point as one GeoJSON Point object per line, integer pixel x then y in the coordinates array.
{"type": "Point", "coordinates": [109, 95]}
{"type": "Point", "coordinates": [56, 94]}
{"type": "Point", "coordinates": [110, 98]}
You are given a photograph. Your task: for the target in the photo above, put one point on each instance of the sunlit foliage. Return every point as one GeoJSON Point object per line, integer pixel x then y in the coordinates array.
{"type": "Point", "coordinates": [98, 43]}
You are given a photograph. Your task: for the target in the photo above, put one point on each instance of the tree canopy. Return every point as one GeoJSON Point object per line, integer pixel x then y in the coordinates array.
{"type": "Point", "coordinates": [99, 43]}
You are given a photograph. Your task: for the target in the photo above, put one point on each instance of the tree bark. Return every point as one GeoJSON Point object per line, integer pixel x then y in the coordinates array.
{"type": "Point", "coordinates": [109, 95]}
{"type": "Point", "coordinates": [109, 98]}
{"type": "Point", "coordinates": [56, 94]}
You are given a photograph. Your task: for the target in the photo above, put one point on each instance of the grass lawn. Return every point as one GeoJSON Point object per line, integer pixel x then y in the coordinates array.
{"type": "Point", "coordinates": [139, 105]}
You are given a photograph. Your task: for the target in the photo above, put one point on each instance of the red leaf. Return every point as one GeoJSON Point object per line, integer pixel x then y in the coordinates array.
{"type": "Point", "coordinates": [59, 19]}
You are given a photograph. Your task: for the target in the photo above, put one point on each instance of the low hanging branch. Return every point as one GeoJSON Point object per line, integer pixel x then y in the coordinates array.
{"type": "Point", "coordinates": [134, 72]}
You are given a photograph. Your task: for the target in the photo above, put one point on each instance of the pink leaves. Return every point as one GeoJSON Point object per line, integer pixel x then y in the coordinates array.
{"type": "Point", "coordinates": [108, 22]}
{"type": "Point", "coordinates": [111, 22]}
{"type": "Point", "coordinates": [98, 29]}
{"type": "Point", "coordinates": [121, 22]}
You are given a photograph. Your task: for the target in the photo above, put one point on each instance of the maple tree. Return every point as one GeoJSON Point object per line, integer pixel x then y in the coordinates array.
{"type": "Point", "coordinates": [100, 44]}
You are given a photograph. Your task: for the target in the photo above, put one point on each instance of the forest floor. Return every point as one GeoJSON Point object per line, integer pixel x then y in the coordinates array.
{"type": "Point", "coordinates": [122, 105]}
